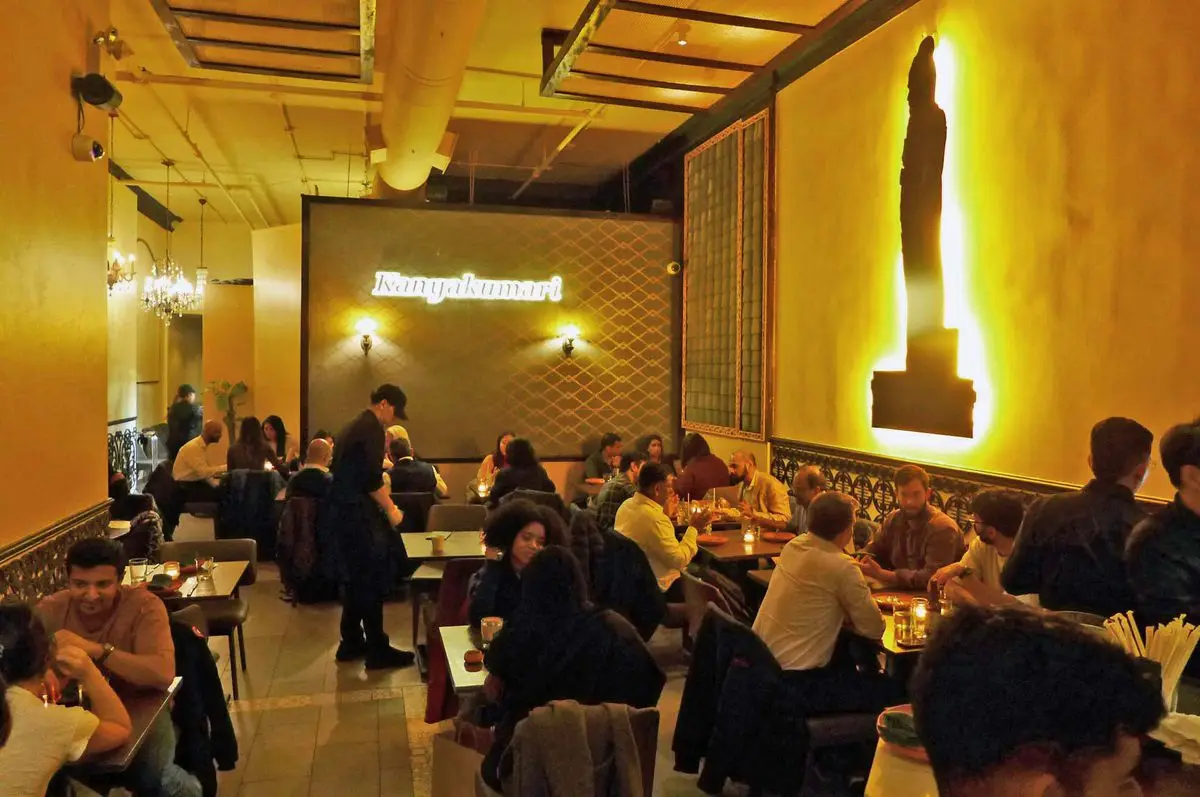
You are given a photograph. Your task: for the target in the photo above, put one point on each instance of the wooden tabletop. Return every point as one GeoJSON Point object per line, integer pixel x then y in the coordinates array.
{"type": "Point", "coordinates": [225, 579]}
{"type": "Point", "coordinates": [143, 707]}
{"type": "Point", "coordinates": [888, 643]}
{"type": "Point", "coordinates": [459, 545]}
{"type": "Point", "coordinates": [734, 550]}
{"type": "Point", "coordinates": [456, 641]}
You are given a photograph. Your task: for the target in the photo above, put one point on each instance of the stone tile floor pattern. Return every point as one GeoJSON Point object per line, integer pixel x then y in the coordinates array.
{"type": "Point", "coordinates": [309, 726]}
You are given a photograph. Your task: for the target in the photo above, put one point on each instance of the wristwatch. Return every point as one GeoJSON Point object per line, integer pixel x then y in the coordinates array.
{"type": "Point", "coordinates": [108, 651]}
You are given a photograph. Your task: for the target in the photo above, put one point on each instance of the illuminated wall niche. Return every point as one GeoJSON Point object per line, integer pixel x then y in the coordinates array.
{"type": "Point", "coordinates": [928, 396]}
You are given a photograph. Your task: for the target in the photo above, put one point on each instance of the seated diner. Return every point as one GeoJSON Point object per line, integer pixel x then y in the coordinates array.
{"type": "Point", "coordinates": [494, 461]}
{"type": "Point", "coordinates": [761, 497]}
{"type": "Point", "coordinates": [702, 469]}
{"type": "Point", "coordinates": [251, 451]}
{"type": "Point", "coordinates": [643, 518]}
{"type": "Point", "coordinates": [523, 472]}
{"type": "Point", "coordinates": [518, 530]}
{"type": "Point", "coordinates": [602, 463]}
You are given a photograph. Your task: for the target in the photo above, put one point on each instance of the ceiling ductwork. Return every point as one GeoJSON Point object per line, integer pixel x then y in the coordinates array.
{"type": "Point", "coordinates": [431, 42]}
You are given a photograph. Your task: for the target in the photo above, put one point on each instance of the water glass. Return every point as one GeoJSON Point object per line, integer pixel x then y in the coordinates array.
{"type": "Point", "coordinates": [137, 570]}
{"type": "Point", "coordinates": [920, 617]}
{"type": "Point", "coordinates": [902, 619]}
{"type": "Point", "coordinates": [489, 627]}
{"type": "Point", "coordinates": [204, 568]}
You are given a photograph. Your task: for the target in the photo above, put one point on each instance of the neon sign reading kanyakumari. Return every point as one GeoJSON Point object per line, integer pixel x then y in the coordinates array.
{"type": "Point", "coordinates": [434, 290]}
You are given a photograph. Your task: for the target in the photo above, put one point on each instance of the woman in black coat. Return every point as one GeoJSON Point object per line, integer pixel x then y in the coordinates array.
{"type": "Point", "coordinates": [557, 646]}
{"type": "Point", "coordinates": [523, 471]}
{"type": "Point", "coordinates": [519, 529]}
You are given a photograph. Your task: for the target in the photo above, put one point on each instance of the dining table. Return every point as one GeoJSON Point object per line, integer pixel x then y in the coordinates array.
{"type": "Point", "coordinates": [144, 707]}
{"type": "Point", "coordinates": [222, 582]}
{"type": "Point", "coordinates": [734, 549]}
{"type": "Point", "coordinates": [457, 545]}
{"type": "Point", "coordinates": [456, 641]}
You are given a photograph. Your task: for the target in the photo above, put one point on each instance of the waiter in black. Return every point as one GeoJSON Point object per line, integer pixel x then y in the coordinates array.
{"type": "Point", "coordinates": [362, 526]}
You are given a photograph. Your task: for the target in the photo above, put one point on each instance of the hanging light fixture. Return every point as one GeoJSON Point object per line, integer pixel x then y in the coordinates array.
{"type": "Point", "coordinates": [201, 271]}
{"type": "Point", "coordinates": [119, 280]}
{"type": "Point", "coordinates": [167, 293]}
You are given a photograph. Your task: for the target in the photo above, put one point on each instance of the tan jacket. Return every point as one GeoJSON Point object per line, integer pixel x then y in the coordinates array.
{"type": "Point", "coordinates": [768, 499]}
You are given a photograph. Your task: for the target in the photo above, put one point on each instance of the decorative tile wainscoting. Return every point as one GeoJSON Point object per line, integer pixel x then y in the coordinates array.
{"type": "Point", "coordinates": [36, 566]}
{"type": "Point", "coordinates": [868, 477]}
{"type": "Point", "coordinates": [122, 446]}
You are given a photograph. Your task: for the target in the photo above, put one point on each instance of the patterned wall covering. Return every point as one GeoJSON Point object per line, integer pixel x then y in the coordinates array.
{"type": "Point", "coordinates": [726, 254]}
{"type": "Point", "coordinates": [122, 440]}
{"type": "Point", "coordinates": [474, 368]}
{"type": "Point", "coordinates": [35, 566]}
{"type": "Point", "coordinates": [869, 479]}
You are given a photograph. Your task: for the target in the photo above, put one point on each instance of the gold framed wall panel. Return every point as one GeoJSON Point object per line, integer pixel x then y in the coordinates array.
{"type": "Point", "coordinates": [738, 408]}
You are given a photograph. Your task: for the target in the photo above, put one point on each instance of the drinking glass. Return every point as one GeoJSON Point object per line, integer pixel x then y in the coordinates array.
{"type": "Point", "coordinates": [137, 570]}
{"type": "Point", "coordinates": [920, 617]}
{"type": "Point", "coordinates": [171, 569]}
{"type": "Point", "coordinates": [902, 619]}
{"type": "Point", "coordinates": [489, 627]}
{"type": "Point", "coordinates": [204, 568]}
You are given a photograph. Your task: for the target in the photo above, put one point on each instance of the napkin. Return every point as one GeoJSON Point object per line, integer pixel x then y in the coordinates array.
{"type": "Point", "coordinates": [1181, 733]}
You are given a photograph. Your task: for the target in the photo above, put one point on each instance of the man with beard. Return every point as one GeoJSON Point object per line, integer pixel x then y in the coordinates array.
{"type": "Point", "coordinates": [915, 540]}
{"type": "Point", "coordinates": [361, 521]}
{"type": "Point", "coordinates": [976, 578]}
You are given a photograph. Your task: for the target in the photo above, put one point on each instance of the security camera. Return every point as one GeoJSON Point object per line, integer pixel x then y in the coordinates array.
{"type": "Point", "coordinates": [674, 268]}
{"type": "Point", "coordinates": [86, 149]}
{"type": "Point", "coordinates": [96, 90]}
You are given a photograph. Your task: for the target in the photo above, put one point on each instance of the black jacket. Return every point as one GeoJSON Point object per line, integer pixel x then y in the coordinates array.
{"type": "Point", "coordinates": [309, 483]}
{"type": "Point", "coordinates": [509, 479]}
{"type": "Point", "coordinates": [413, 476]}
{"type": "Point", "coordinates": [1164, 567]}
{"type": "Point", "coordinates": [184, 421]}
{"type": "Point", "coordinates": [739, 714]}
{"type": "Point", "coordinates": [1070, 550]}
{"type": "Point", "coordinates": [622, 580]}
{"type": "Point", "coordinates": [494, 591]}
{"type": "Point", "coordinates": [205, 731]}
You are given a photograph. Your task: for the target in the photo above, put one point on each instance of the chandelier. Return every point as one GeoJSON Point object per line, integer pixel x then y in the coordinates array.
{"type": "Point", "coordinates": [167, 293]}
{"type": "Point", "coordinates": [119, 280]}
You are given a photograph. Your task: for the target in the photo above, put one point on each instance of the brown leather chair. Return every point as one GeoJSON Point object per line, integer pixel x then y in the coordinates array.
{"type": "Point", "coordinates": [225, 616]}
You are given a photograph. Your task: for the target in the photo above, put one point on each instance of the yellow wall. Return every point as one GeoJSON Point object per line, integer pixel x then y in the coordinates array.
{"type": "Point", "coordinates": [185, 352]}
{"type": "Point", "coordinates": [123, 311]}
{"type": "Point", "coordinates": [153, 391]}
{"type": "Point", "coordinates": [277, 322]}
{"type": "Point", "coordinates": [52, 247]}
{"type": "Point", "coordinates": [1069, 233]}
{"type": "Point", "coordinates": [228, 346]}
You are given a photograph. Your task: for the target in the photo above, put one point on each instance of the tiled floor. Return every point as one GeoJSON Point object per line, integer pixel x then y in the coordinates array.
{"type": "Point", "coordinates": [309, 726]}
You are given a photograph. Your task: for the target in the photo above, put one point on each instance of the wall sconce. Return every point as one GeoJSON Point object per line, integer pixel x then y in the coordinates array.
{"type": "Point", "coordinates": [567, 336]}
{"type": "Point", "coordinates": [366, 327]}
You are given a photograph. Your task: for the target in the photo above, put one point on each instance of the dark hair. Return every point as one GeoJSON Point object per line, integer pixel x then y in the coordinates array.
{"type": "Point", "coordinates": [276, 423]}
{"type": "Point", "coordinates": [651, 474]}
{"type": "Point", "coordinates": [1000, 509]}
{"type": "Point", "coordinates": [324, 435]}
{"type": "Point", "coordinates": [1119, 445]}
{"type": "Point", "coordinates": [250, 433]}
{"type": "Point", "coordinates": [643, 444]}
{"type": "Point", "coordinates": [24, 648]}
{"type": "Point", "coordinates": [504, 524]}
{"type": "Point", "coordinates": [992, 683]}
{"type": "Point", "coordinates": [813, 477]}
{"type": "Point", "coordinates": [399, 449]}
{"type": "Point", "coordinates": [1180, 446]}
{"type": "Point", "coordinates": [96, 552]}
{"type": "Point", "coordinates": [552, 585]}
{"type": "Point", "coordinates": [631, 458]}
{"type": "Point", "coordinates": [521, 453]}
{"type": "Point", "coordinates": [392, 395]}
{"type": "Point", "coordinates": [609, 439]}
{"type": "Point", "coordinates": [694, 445]}
{"type": "Point", "coordinates": [498, 458]}
{"type": "Point", "coordinates": [830, 514]}
{"type": "Point", "coordinates": [907, 474]}
{"type": "Point", "coordinates": [185, 390]}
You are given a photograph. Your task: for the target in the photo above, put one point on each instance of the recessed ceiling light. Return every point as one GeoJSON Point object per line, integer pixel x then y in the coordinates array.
{"type": "Point", "coordinates": [681, 35]}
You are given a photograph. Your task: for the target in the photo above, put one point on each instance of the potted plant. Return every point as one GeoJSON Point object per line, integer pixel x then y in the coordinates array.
{"type": "Point", "coordinates": [229, 397]}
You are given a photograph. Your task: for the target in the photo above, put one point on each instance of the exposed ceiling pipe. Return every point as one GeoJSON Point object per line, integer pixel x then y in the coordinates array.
{"type": "Point", "coordinates": [431, 42]}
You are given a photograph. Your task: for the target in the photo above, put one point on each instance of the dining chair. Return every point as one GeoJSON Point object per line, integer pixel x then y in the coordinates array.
{"type": "Point", "coordinates": [225, 616]}
{"type": "Point", "coordinates": [415, 507]}
{"type": "Point", "coordinates": [456, 517]}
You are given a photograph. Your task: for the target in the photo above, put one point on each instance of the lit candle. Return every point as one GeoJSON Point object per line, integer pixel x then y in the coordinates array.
{"type": "Point", "coordinates": [920, 608]}
{"type": "Point", "coordinates": [748, 537]}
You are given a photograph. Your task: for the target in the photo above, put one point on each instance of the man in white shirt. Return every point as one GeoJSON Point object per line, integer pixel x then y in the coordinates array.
{"type": "Point", "coordinates": [815, 591]}
{"type": "Point", "coordinates": [976, 577]}
{"type": "Point", "coordinates": [197, 478]}
{"type": "Point", "coordinates": [644, 520]}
